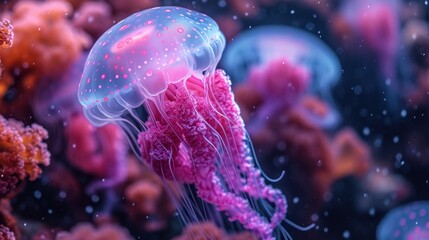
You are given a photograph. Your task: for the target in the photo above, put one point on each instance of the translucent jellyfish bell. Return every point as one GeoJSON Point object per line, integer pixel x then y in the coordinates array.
{"type": "Point", "coordinates": [174, 42]}
{"type": "Point", "coordinates": [409, 222]}
{"type": "Point", "coordinates": [264, 44]}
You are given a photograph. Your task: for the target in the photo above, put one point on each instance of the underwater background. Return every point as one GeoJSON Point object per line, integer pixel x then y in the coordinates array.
{"type": "Point", "coordinates": [333, 94]}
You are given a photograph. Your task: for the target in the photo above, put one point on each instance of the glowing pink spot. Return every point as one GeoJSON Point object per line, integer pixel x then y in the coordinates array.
{"type": "Point", "coordinates": [103, 76]}
{"type": "Point", "coordinates": [402, 222]}
{"type": "Point", "coordinates": [106, 56]}
{"type": "Point", "coordinates": [180, 30]}
{"type": "Point", "coordinates": [105, 99]}
{"type": "Point", "coordinates": [125, 76]}
{"type": "Point", "coordinates": [124, 27]}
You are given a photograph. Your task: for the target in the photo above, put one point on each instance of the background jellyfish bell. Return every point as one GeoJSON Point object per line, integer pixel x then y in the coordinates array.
{"type": "Point", "coordinates": [406, 222]}
{"type": "Point", "coordinates": [263, 44]}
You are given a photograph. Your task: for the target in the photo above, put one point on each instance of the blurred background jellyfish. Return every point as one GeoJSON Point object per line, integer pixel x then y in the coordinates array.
{"type": "Point", "coordinates": [154, 74]}
{"type": "Point", "coordinates": [374, 26]}
{"type": "Point", "coordinates": [261, 45]}
{"type": "Point", "coordinates": [293, 48]}
{"type": "Point", "coordinates": [408, 222]}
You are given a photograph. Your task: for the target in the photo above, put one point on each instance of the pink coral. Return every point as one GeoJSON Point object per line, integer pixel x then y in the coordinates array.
{"type": "Point", "coordinates": [21, 152]}
{"type": "Point", "coordinates": [8, 224]}
{"type": "Point", "coordinates": [204, 133]}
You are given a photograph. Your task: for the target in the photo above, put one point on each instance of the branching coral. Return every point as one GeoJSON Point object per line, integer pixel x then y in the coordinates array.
{"type": "Point", "coordinates": [6, 33]}
{"type": "Point", "coordinates": [21, 153]}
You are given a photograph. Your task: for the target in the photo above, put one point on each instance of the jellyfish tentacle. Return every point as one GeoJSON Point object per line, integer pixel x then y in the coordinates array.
{"type": "Point", "coordinates": [254, 184]}
{"type": "Point", "coordinates": [188, 116]}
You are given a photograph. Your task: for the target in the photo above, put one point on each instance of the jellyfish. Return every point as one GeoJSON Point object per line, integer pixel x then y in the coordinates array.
{"type": "Point", "coordinates": [153, 74]}
{"type": "Point", "coordinates": [297, 51]}
{"type": "Point", "coordinates": [377, 24]}
{"type": "Point", "coordinates": [264, 44]}
{"type": "Point", "coordinates": [408, 222]}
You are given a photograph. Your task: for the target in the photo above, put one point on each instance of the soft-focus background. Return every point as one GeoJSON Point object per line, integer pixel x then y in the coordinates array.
{"type": "Point", "coordinates": [346, 86]}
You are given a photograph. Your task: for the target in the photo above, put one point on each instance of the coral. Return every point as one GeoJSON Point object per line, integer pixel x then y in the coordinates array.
{"type": "Point", "coordinates": [6, 33]}
{"type": "Point", "coordinates": [148, 203]}
{"type": "Point", "coordinates": [202, 231]}
{"type": "Point", "coordinates": [88, 231]}
{"type": "Point", "coordinates": [44, 41]}
{"type": "Point", "coordinates": [8, 224]}
{"type": "Point", "coordinates": [45, 44]}
{"type": "Point", "coordinates": [6, 234]}
{"type": "Point", "coordinates": [209, 231]}
{"type": "Point", "coordinates": [21, 153]}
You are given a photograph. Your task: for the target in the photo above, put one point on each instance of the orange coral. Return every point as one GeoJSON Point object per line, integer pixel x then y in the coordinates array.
{"type": "Point", "coordinates": [87, 231]}
{"type": "Point", "coordinates": [45, 44]}
{"type": "Point", "coordinates": [21, 152]}
{"type": "Point", "coordinates": [148, 203]}
{"type": "Point", "coordinates": [44, 40]}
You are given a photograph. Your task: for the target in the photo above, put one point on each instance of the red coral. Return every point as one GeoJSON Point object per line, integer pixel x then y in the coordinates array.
{"type": "Point", "coordinates": [21, 152]}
